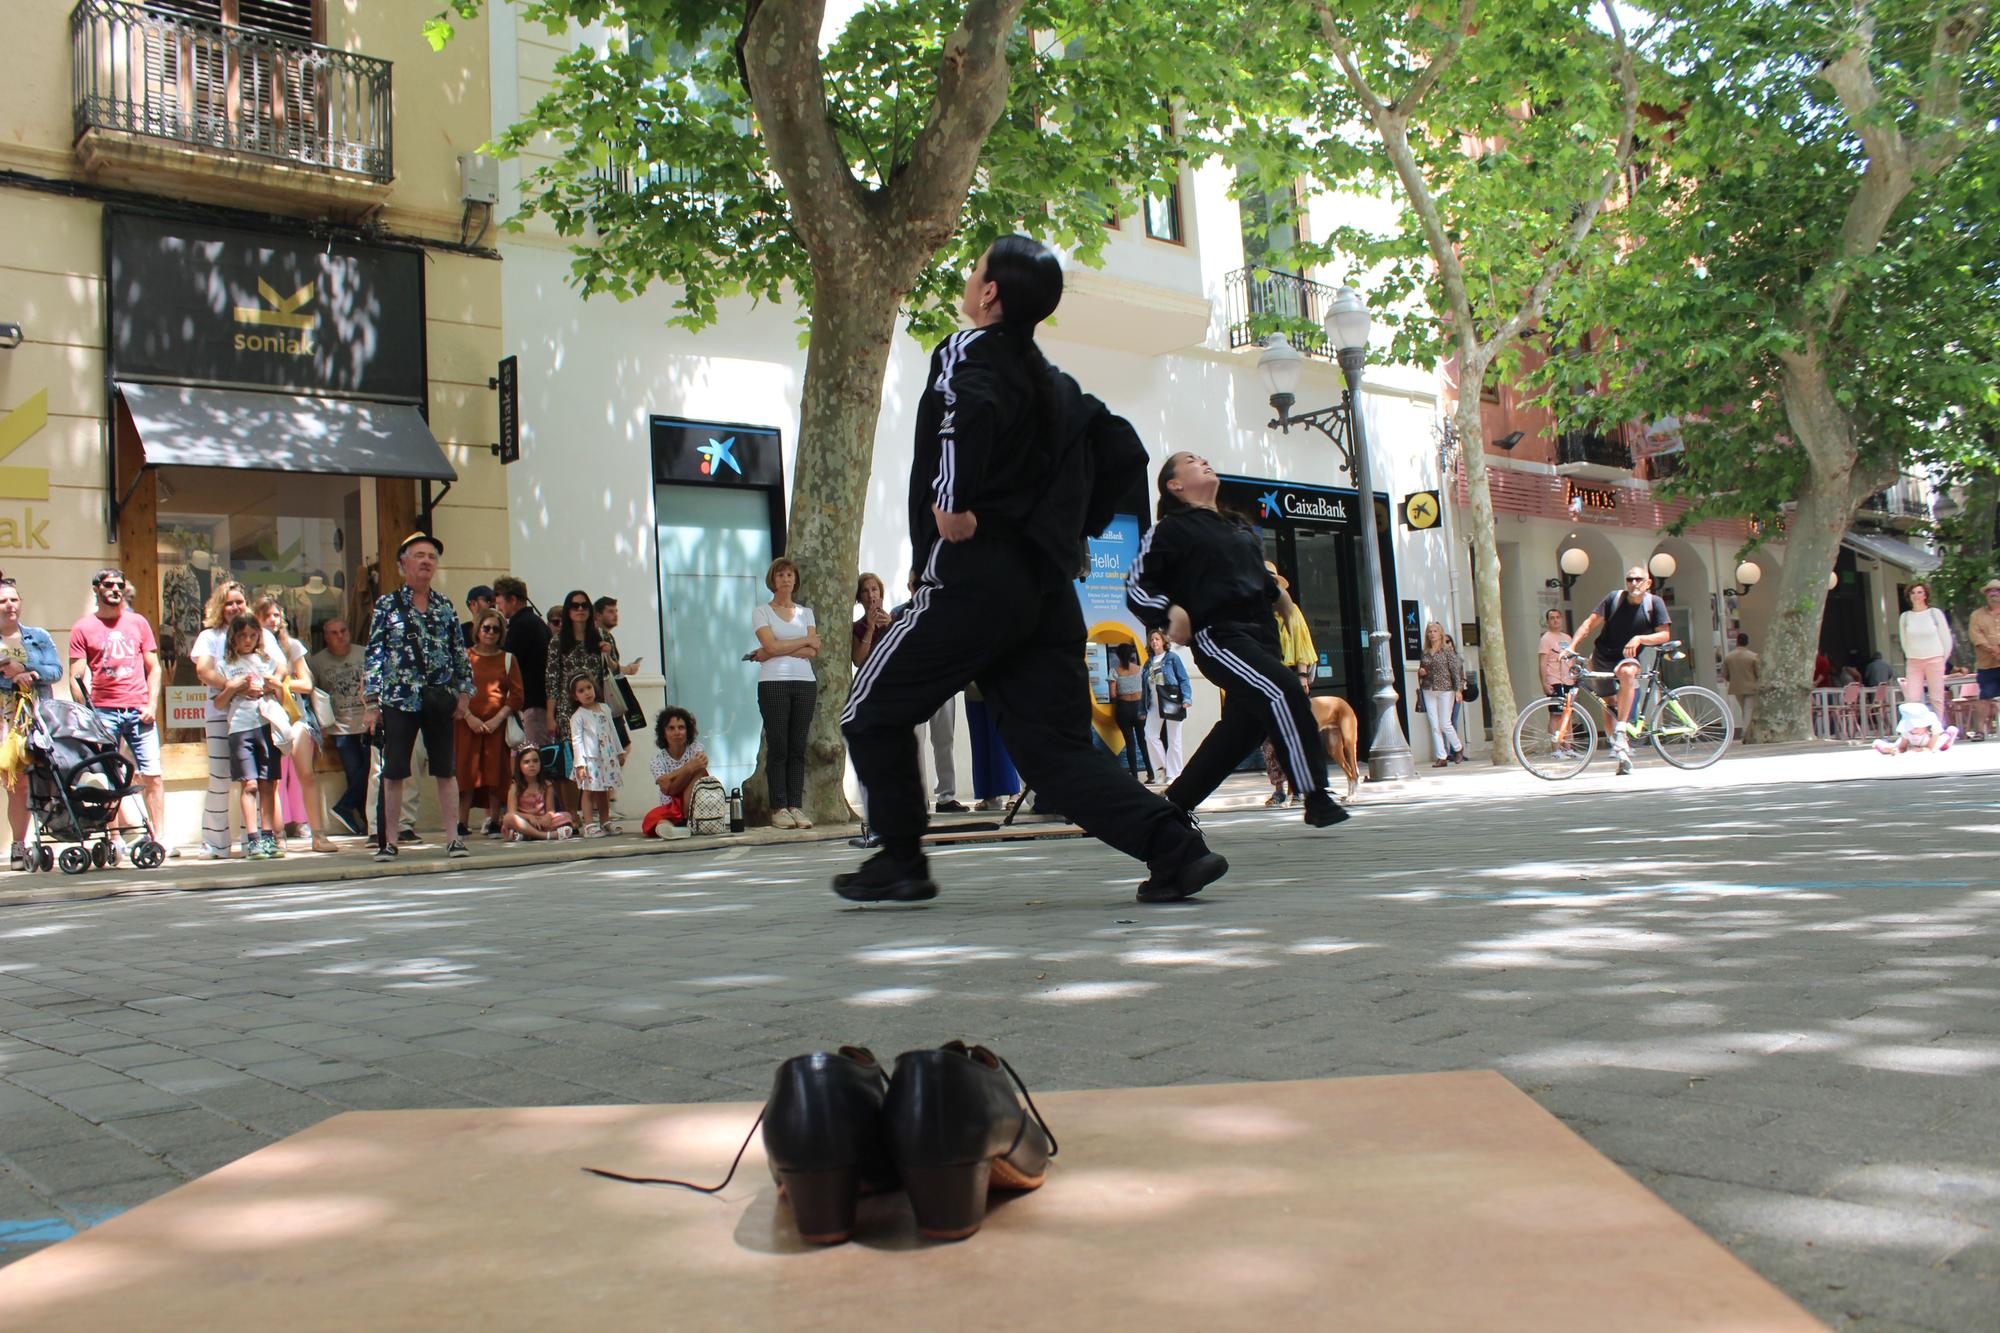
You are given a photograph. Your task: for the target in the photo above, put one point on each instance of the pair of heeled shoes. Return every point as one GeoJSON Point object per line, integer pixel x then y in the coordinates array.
{"type": "Point", "coordinates": [946, 1128]}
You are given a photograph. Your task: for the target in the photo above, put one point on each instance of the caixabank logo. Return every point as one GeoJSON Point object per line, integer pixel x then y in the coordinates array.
{"type": "Point", "coordinates": [278, 312]}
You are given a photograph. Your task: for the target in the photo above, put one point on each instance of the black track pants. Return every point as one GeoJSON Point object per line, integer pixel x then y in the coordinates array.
{"type": "Point", "coordinates": [989, 610]}
{"type": "Point", "coordinates": [1264, 700]}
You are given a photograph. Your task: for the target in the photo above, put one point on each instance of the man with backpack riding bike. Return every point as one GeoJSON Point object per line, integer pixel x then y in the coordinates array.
{"type": "Point", "coordinates": [1631, 618]}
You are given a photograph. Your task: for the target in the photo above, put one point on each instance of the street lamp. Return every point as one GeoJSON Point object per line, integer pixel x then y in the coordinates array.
{"type": "Point", "coordinates": [1280, 363]}
{"type": "Point", "coordinates": [1662, 565]}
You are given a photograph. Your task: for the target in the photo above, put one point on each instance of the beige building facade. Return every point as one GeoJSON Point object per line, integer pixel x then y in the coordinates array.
{"type": "Point", "coordinates": [257, 315]}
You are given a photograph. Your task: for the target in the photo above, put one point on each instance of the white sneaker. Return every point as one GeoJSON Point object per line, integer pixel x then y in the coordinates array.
{"type": "Point", "coordinates": [782, 819]}
{"type": "Point", "coordinates": [799, 819]}
{"type": "Point", "coordinates": [667, 828]}
{"type": "Point", "coordinates": [209, 853]}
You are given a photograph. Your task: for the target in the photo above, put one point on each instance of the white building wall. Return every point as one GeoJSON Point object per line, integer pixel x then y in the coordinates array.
{"type": "Point", "coordinates": [593, 373]}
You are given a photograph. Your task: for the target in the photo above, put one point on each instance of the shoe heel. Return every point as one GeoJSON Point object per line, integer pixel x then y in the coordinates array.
{"type": "Point", "coordinates": [823, 1202]}
{"type": "Point", "coordinates": [949, 1201]}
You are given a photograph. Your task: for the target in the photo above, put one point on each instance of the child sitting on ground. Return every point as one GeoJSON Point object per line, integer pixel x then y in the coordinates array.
{"type": "Point", "coordinates": [528, 798]}
{"type": "Point", "coordinates": [1917, 728]}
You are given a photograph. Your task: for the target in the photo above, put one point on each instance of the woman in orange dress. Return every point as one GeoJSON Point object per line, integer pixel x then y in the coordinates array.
{"type": "Point", "coordinates": [481, 749]}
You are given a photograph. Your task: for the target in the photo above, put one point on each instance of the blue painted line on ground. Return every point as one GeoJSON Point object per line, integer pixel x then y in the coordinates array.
{"type": "Point", "coordinates": [48, 1230]}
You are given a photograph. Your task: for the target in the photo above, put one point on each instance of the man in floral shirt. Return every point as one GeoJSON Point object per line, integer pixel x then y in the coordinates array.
{"type": "Point", "coordinates": [419, 681]}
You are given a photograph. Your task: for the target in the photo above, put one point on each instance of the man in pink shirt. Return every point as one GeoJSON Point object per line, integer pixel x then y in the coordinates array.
{"type": "Point", "coordinates": [1549, 653]}
{"type": "Point", "coordinates": [115, 663]}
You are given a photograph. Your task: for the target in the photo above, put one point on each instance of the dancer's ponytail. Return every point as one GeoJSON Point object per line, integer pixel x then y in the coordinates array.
{"type": "Point", "coordinates": [1030, 283]}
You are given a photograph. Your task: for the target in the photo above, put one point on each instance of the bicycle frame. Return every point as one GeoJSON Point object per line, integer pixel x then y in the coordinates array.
{"type": "Point", "coordinates": [1648, 700]}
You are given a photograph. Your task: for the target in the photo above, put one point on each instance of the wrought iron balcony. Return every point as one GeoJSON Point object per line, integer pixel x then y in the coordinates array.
{"type": "Point", "coordinates": [1259, 302]}
{"type": "Point", "coordinates": [1906, 504]}
{"type": "Point", "coordinates": [1581, 453]}
{"type": "Point", "coordinates": [203, 85]}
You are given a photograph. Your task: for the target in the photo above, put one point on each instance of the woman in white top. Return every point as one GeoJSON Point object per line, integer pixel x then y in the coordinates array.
{"type": "Point", "coordinates": [787, 641]}
{"type": "Point", "coordinates": [1925, 633]}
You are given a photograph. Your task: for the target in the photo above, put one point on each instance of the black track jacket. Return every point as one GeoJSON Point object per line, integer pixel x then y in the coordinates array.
{"type": "Point", "coordinates": [1210, 566]}
{"type": "Point", "coordinates": [979, 448]}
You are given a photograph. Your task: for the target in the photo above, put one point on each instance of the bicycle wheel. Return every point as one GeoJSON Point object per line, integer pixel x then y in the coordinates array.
{"type": "Point", "coordinates": [1547, 752]}
{"type": "Point", "coordinates": [1692, 727]}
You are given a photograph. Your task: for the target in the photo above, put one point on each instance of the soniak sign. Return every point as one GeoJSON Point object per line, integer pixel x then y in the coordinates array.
{"type": "Point", "coordinates": [193, 303]}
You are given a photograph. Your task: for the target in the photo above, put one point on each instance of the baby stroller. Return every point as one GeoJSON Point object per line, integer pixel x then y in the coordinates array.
{"type": "Point", "coordinates": [77, 781]}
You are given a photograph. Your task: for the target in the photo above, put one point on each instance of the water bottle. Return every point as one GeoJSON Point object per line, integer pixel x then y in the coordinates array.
{"type": "Point", "coordinates": [736, 810]}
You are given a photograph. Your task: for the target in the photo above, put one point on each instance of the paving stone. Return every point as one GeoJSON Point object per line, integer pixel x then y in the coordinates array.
{"type": "Point", "coordinates": [116, 1101]}
{"type": "Point", "coordinates": [67, 1078]}
{"type": "Point", "coordinates": [1810, 1075]}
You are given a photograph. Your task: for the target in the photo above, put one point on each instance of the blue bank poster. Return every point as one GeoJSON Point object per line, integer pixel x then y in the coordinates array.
{"type": "Point", "coordinates": [1106, 618]}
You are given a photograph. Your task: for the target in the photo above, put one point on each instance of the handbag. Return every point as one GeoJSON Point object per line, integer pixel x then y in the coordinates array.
{"type": "Point", "coordinates": [513, 733]}
{"type": "Point", "coordinates": [1172, 707]}
{"type": "Point", "coordinates": [708, 806]}
{"type": "Point", "coordinates": [322, 703]}
{"type": "Point", "coordinates": [1471, 695]}
{"type": "Point", "coordinates": [635, 716]}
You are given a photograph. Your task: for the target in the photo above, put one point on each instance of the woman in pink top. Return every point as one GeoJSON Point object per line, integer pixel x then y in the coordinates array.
{"type": "Point", "coordinates": [1548, 653]}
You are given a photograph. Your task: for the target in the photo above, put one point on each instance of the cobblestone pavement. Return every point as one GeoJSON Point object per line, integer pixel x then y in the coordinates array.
{"type": "Point", "coordinates": [1776, 1005]}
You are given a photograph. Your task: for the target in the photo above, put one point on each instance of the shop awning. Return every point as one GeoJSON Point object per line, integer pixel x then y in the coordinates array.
{"type": "Point", "coordinates": [180, 426]}
{"type": "Point", "coordinates": [1890, 551]}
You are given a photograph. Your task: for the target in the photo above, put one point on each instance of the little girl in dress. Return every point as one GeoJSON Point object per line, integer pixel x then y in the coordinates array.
{"type": "Point", "coordinates": [528, 813]}
{"type": "Point", "coordinates": [1918, 727]}
{"type": "Point", "coordinates": [599, 759]}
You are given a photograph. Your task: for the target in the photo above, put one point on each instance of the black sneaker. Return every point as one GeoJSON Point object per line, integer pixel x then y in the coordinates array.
{"type": "Point", "coordinates": [885, 879]}
{"type": "Point", "coordinates": [408, 835]}
{"type": "Point", "coordinates": [953, 808]}
{"type": "Point", "coordinates": [455, 849]}
{"type": "Point", "coordinates": [1171, 881]}
{"type": "Point", "coordinates": [386, 852]}
{"type": "Point", "coordinates": [350, 823]}
{"type": "Point", "coordinates": [867, 842]}
{"type": "Point", "coordinates": [1322, 810]}
{"type": "Point", "coordinates": [490, 829]}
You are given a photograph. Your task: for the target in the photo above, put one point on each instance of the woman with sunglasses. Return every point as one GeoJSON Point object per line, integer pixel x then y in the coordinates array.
{"type": "Point", "coordinates": [480, 737]}
{"type": "Point", "coordinates": [574, 650]}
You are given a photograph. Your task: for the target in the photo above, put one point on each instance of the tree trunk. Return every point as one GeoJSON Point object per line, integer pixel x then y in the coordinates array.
{"type": "Point", "coordinates": [1836, 484]}
{"type": "Point", "coordinates": [853, 325]}
{"type": "Point", "coordinates": [1495, 679]}
{"type": "Point", "coordinates": [1791, 640]}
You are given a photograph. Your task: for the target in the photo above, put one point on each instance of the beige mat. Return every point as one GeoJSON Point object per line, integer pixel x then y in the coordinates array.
{"type": "Point", "coordinates": [1441, 1201]}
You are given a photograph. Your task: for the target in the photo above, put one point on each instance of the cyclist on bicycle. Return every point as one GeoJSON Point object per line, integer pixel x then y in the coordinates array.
{"type": "Point", "coordinates": [1631, 619]}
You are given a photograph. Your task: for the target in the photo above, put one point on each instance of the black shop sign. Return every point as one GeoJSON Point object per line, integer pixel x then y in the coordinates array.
{"type": "Point", "coordinates": [193, 303]}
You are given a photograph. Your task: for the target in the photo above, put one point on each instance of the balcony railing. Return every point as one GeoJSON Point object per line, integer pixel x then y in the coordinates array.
{"type": "Point", "coordinates": [1580, 446]}
{"type": "Point", "coordinates": [1260, 301]}
{"type": "Point", "coordinates": [1907, 499]}
{"type": "Point", "coordinates": [233, 90]}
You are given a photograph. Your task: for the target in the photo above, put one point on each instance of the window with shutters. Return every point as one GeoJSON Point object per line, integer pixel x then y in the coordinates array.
{"type": "Point", "coordinates": [248, 76]}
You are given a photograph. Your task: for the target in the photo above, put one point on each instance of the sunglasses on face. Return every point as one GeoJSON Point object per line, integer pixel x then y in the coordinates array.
{"type": "Point", "coordinates": [1633, 580]}
{"type": "Point", "coordinates": [489, 629]}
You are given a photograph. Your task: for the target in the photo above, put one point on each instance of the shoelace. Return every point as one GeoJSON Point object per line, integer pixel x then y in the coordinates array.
{"type": "Point", "coordinates": [686, 1184]}
{"type": "Point", "coordinates": [1033, 1109]}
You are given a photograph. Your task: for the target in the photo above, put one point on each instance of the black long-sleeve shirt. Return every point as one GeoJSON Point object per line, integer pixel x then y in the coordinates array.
{"type": "Point", "coordinates": [1210, 566]}
{"type": "Point", "coordinates": [1049, 478]}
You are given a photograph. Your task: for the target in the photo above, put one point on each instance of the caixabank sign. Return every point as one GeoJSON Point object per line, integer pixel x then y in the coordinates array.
{"type": "Point", "coordinates": [193, 303]}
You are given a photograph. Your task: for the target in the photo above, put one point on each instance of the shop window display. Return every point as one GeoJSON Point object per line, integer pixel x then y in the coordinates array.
{"type": "Point", "coordinates": [296, 537]}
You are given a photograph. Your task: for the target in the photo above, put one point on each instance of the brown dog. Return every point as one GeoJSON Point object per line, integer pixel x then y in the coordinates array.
{"type": "Point", "coordinates": [1338, 731]}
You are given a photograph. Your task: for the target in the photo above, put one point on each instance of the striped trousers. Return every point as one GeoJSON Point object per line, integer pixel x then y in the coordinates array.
{"type": "Point", "coordinates": [1264, 700]}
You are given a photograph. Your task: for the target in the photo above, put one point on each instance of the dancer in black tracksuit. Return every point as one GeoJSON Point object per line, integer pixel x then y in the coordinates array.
{"type": "Point", "coordinates": [1210, 568]}
{"type": "Point", "coordinates": [1014, 466]}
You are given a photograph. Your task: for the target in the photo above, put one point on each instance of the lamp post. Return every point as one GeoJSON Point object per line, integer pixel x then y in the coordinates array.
{"type": "Point", "coordinates": [1280, 363]}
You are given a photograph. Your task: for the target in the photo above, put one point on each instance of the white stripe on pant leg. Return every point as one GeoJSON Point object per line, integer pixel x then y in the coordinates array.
{"type": "Point", "coordinates": [1280, 707]}
{"type": "Point", "coordinates": [215, 804]}
{"type": "Point", "coordinates": [872, 668]}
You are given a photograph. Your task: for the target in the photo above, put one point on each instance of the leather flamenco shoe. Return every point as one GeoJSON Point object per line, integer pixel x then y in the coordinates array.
{"type": "Point", "coordinates": [824, 1139]}
{"type": "Point", "coordinates": [957, 1129]}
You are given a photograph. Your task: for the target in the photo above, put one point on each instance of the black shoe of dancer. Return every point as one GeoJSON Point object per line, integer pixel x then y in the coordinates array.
{"type": "Point", "coordinates": [1171, 881]}
{"type": "Point", "coordinates": [1322, 810]}
{"type": "Point", "coordinates": [887, 878]}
